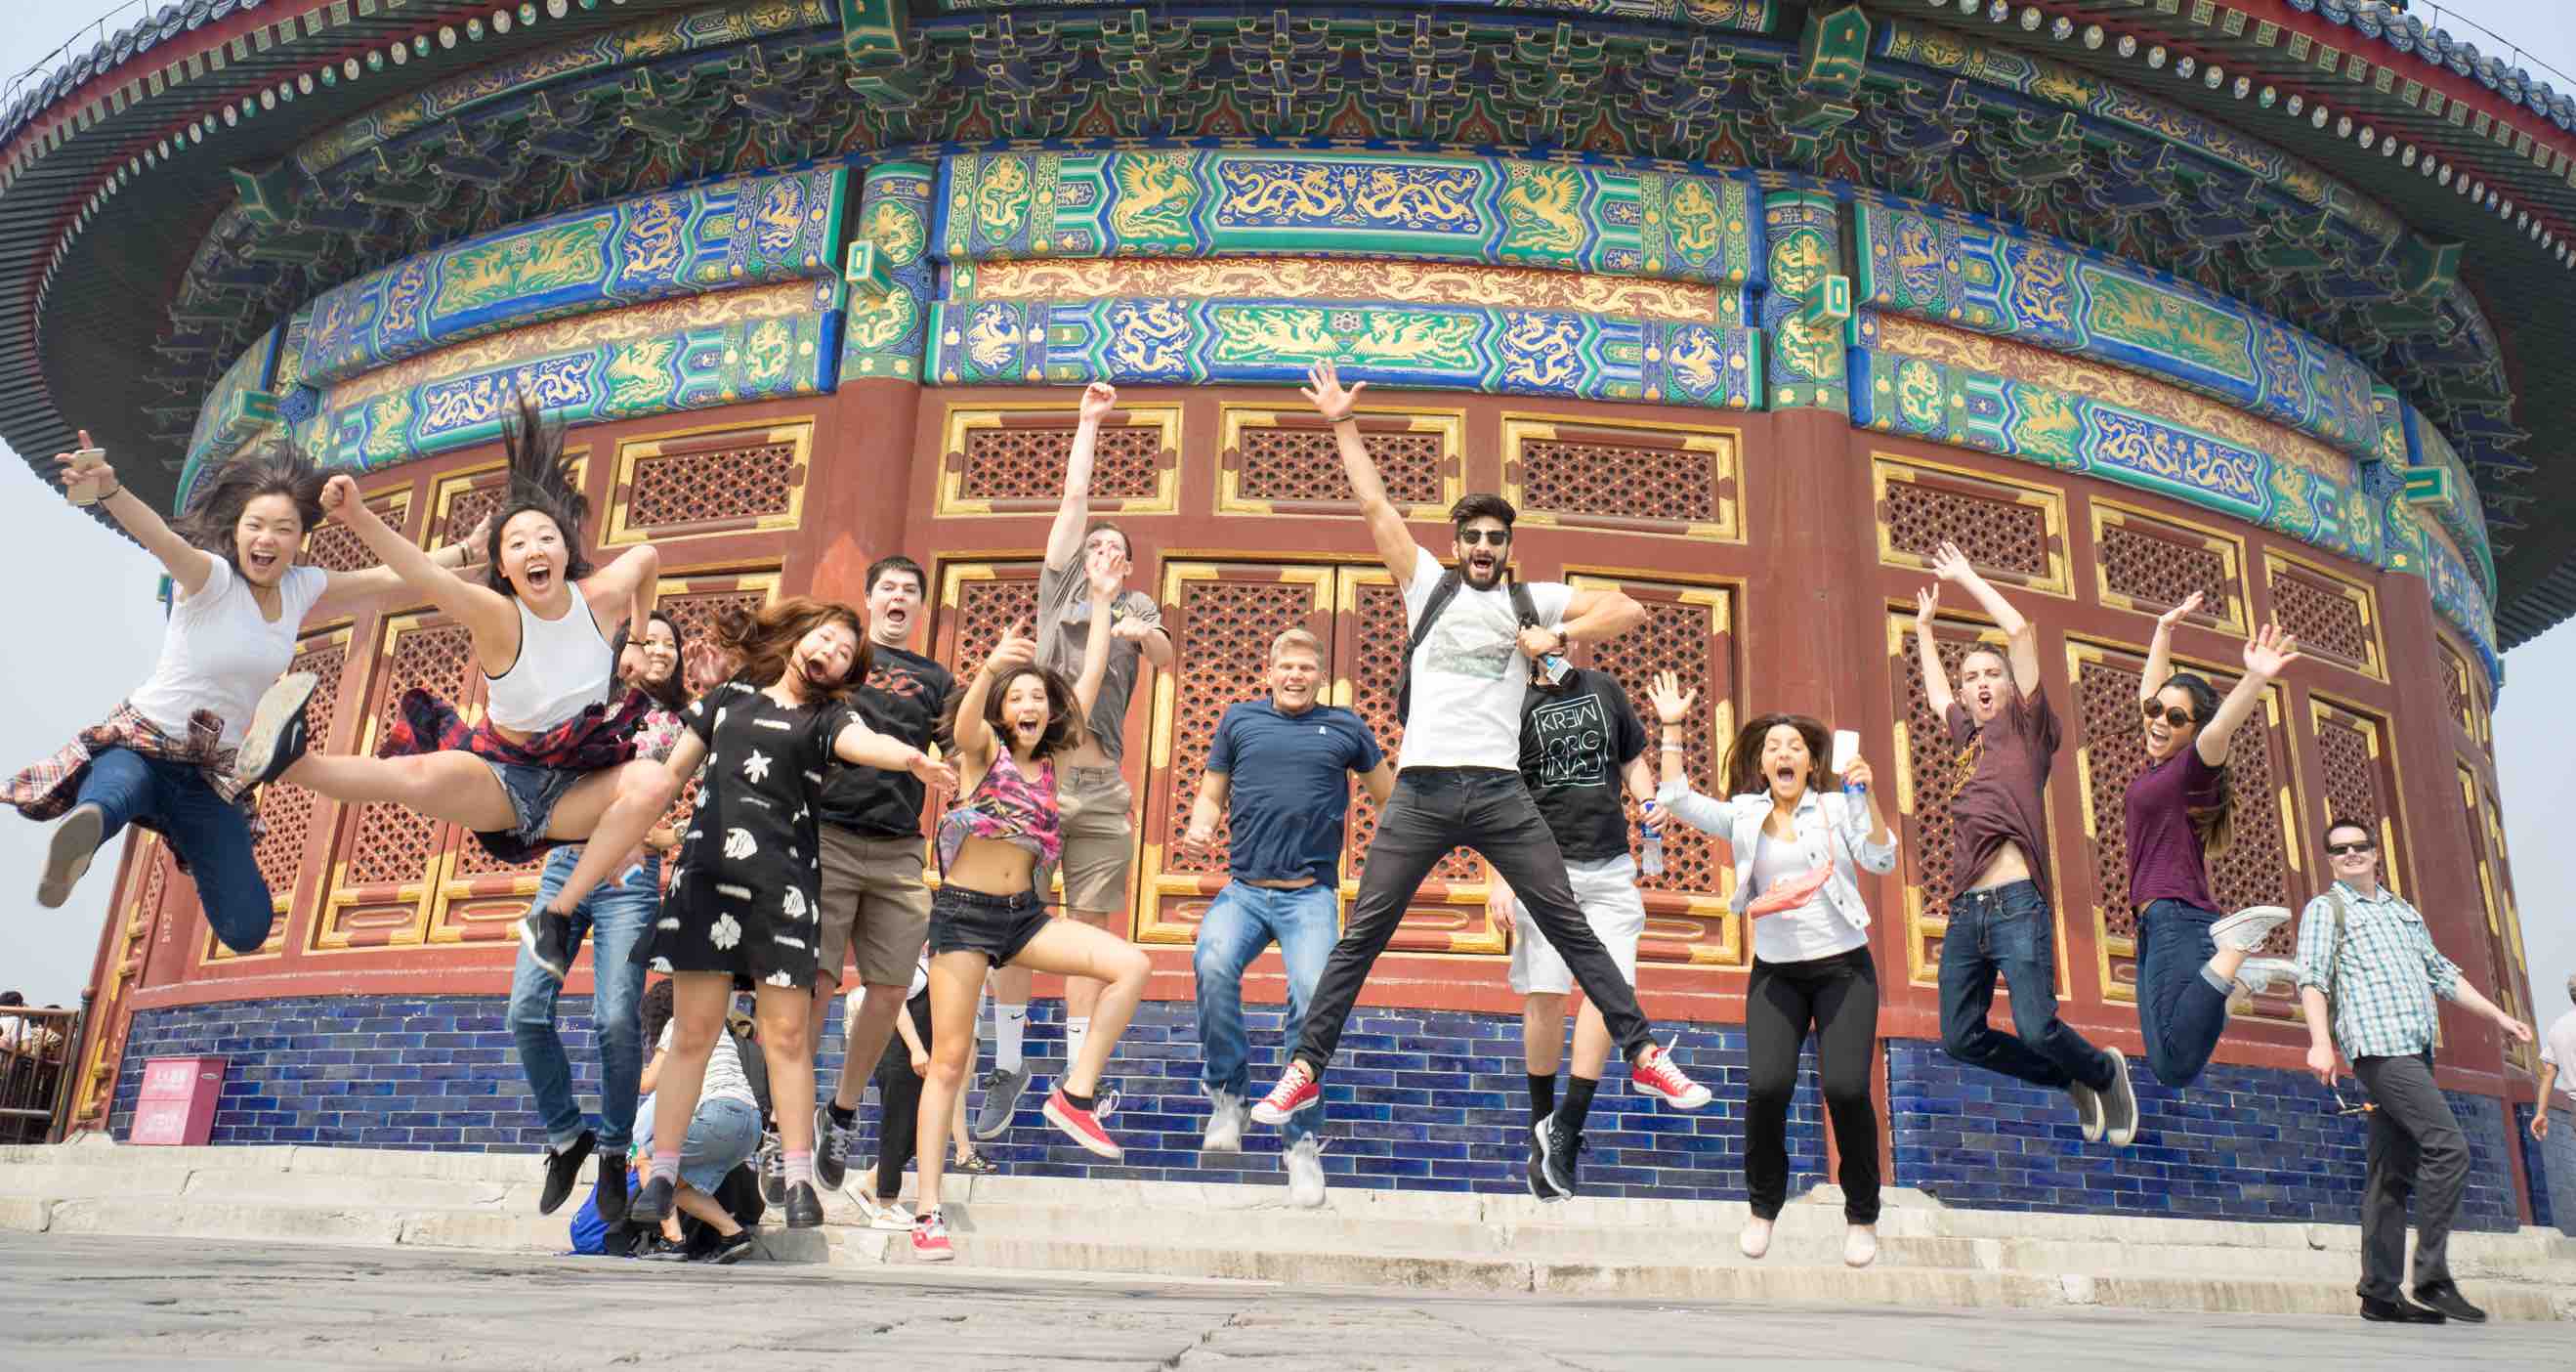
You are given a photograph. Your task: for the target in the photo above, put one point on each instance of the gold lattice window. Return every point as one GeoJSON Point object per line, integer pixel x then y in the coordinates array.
{"type": "Point", "coordinates": [2014, 532]}
{"type": "Point", "coordinates": [715, 479]}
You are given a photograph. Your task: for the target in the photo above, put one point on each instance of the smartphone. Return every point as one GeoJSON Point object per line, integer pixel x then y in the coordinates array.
{"type": "Point", "coordinates": [89, 477]}
{"type": "Point", "coordinates": [1846, 747]}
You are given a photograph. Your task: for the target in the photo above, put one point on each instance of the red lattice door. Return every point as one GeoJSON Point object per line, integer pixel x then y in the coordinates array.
{"type": "Point", "coordinates": [1448, 914]}
{"type": "Point", "coordinates": [291, 816]}
{"type": "Point", "coordinates": [387, 860]}
{"type": "Point", "coordinates": [1222, 617]}
{"type": "Point", "coordinates": [1689, 631]}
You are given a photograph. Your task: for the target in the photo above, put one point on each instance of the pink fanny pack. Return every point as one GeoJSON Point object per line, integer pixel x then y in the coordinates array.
{"type": "Point", "coordinates": [1790, 894]}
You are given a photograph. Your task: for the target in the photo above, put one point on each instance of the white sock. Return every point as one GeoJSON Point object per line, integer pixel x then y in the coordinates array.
{"type": "Point", "coordinates": [1009, 1023]}
{"type": "Point", "coordinates": [1076, 1029]}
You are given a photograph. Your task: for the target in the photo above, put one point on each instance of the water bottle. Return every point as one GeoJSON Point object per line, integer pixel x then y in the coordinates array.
{"type": "Point", "coordinates": [1650, 852]}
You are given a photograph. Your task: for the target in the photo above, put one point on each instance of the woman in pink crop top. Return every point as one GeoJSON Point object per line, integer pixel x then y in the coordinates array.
{"type": "Point", "coordinates": [1008, 726]}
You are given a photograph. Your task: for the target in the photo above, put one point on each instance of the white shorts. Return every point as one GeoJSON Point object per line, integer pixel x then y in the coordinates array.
{"type": "Point", "coordinates": [1607, 895]}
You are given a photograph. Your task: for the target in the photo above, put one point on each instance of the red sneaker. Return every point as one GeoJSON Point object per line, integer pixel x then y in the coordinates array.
{"type": "Point", "coordinates": [930, 1239]}
{"type": "Point", "coordinates": [1297, 1090]}
{"type": "Point", "coordinates": [1082, 1126]}
{"type": "Point", "coordinates": [1656, 1075]}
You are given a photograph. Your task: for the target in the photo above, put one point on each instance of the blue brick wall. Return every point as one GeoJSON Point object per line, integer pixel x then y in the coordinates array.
{"type": "Point", "coordinates": [1419, 1099]}
{"type": "Point", "coordinates": [2240, 1143]}
{"type": "Point", "coordinates": [2535, 1163]}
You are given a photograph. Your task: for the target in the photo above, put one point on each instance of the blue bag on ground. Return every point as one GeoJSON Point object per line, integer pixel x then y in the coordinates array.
{"type": "Point", "coordinates": [589, 1232]}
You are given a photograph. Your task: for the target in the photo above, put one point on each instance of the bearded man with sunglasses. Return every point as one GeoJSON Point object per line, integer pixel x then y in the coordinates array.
{"type": "Point", "coordinates": [2368, 973]}
{"type": "Point", "coordinates": [1474, 640]}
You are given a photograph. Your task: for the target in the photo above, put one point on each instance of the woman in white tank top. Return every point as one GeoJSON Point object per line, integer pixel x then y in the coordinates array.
{"type": "Point", "coordinates": [164, 759]}
{"type": "Point", "coordinates": [553, 759]}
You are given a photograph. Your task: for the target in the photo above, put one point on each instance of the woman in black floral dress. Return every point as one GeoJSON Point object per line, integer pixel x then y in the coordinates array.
{"type": "Point", "coordinates": [744, 908]}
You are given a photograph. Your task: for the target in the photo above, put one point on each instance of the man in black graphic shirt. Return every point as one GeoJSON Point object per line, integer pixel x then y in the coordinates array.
{"type": "Point", "coordinates": [875, 906]}
{"type": "Point", "coordinates": [1581, 742]}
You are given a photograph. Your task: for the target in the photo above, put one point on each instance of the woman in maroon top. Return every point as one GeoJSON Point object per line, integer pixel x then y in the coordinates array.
{"type": "Point", "coordinates": [2174, 816]}
{"type": "Point", "coordinates": [2000, 920]}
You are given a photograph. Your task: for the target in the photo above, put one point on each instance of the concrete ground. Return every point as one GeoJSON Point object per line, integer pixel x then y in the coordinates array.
{"type": "Point", "coordinates": [77, 1302]}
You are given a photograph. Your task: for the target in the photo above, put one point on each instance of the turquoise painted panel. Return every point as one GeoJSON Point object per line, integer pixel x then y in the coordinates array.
{"type": "Point", "coordinates": [1970, 274]}
{"type": "Point", "coordinates": [738, 232]}
{"type": "Point", "coordinates": [1498, 211]}
{"type": "Point", "coordinates": [2458, 512]}
{"type": "Point", "coordinates": [238, 411]}
{"type": "Point", "coordinates": [1272, 341]}
{"type": "Point", "coordinates": [889, 304]}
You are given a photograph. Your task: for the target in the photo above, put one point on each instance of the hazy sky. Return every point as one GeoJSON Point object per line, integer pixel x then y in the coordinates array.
{"type": "Point", "coordinates": [81, 611]}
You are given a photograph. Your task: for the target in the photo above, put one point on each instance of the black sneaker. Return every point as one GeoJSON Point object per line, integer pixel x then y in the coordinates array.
{"type": "Point", "coordinates": [275, 739]}
{"type": "Point", "coordinates": [68, 851]}
{"type": "Point", "coordinates": [2398, 1311]}
{"type": "Point", "coordinates": [804, 1208]}
{"type": "Point", "coordinates": [653, 1204]}
{"type": "Point", "coordinates": [1564, 1142]}
{"type": "Point", "coordinates": [733, 1248]}
{"type": "Point", "coordinates": [547, 935]}
{"type": "Point", "coordinates": [831, 1150]}
{"type": "Point", "coordinates": [1538, 1184]}
{"type": "Point", "coordinates": [2444, 1298]}
{"type": "Point", "coordinates": [773, 1172]}
{"type": "Point", "coordinates": [563, 1169]}
{"type": "Point", "coordinates": [612, 1191]}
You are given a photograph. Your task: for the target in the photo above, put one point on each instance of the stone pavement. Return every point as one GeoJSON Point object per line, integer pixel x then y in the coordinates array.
{"type": "Point", "coordinates": [83, 1302]}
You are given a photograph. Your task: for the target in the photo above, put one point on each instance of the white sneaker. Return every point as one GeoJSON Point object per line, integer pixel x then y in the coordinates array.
{"type": "Point", "coordinates": [1756, 1238]}
{"type": "Point", "coordinates": [1225, 1123]}
{"type": "Point", "coordinates": [886, 1215]}
{"type": "Point", "coordinates": [2245, 930]}
{"type": "Point", "coordinates": [1860, 1245]}
{"type": "Point", "coordinates": [2264, 975]}
{"type": "Point", "coordinates": [1306, 1173]}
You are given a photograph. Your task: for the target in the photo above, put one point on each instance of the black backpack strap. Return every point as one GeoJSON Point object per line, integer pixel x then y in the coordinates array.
{"type": "Point", "coordinates": [1444, 591]}
{"type": "Point", "coordinates": [1523, 606]}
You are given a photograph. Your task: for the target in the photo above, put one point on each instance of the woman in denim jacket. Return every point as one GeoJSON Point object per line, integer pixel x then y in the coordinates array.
{"type": "Point", "coordinates": [1798, 851]}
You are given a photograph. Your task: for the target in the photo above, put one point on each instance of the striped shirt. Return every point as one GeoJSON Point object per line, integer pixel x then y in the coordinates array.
{"type": "Point", "coordinates": [2383, 1002]}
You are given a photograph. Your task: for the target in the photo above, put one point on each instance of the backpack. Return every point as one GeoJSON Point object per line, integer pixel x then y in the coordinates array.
{"type": "Point", "coordinates": [1441, 594]}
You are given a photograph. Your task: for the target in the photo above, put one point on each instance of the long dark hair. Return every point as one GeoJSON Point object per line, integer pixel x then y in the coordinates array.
{"type": "Point", "coordinates": [657, 1010]}
{"type": "Point", "coordinates": [761, 641]}
{"type": "Point", "coordinates": [1060, 727]}
{"type": "Point", "coordinates": [272, 469]}
{"type": "Point", "coordinates": [1744, 758]}
{"type": "Point", "coordinates": [670, 693]}
{"type": "Point", "coordinates": [2215, 824]}
{"type": "Point", "coordinates": [541, 479]}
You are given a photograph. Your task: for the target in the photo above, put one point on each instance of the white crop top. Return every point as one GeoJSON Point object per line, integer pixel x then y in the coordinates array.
{"type": "Point", "coordinates": [563, 668]}
{"type": "Point", "coordinates": [220, 652]}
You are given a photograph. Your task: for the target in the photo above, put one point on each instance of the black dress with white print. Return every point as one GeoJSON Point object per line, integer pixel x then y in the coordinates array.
{"type": "Point", "coordinates": [747, 898]}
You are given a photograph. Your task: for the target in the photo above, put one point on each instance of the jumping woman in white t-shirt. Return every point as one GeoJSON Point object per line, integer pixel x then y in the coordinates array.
{"type": "Point", "coordinates": [553, 760]}
{"type": "Point", "coordinates": [164, 758]}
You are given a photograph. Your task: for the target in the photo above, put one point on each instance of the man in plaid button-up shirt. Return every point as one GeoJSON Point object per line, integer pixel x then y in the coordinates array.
{"type": "Point", "coordinates": [2383, 972]}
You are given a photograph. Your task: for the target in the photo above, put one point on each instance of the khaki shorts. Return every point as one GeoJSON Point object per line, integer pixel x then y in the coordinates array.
{"type": "Point", "coordinates": [1607, 894]}
{"type": "Point", "coordinates": [1099, 840]}
{"type": "Point", "coordinates": [875, 905]}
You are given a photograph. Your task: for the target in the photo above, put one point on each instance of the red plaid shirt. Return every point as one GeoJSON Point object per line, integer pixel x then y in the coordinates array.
{"type": "Point", "coordinates": [51, 787]}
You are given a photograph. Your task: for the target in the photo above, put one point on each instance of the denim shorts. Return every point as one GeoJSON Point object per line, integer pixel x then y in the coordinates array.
{"type": "Point", "coordinates": [534, 792]}
{"type": "Point", "coordinates": [963, 921]}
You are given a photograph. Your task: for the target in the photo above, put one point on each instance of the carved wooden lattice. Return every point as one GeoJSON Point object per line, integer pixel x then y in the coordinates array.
{"type": "Point", "coordinates": [1227, 626]}
{"type": "Point", "coordinates": [2330, 622]}
{"type": "Point", "coordinates": [986, 608]}
{"type": "Point", "coordinates": [1291, 465]}
{"type": "Point", "coordinates": [2157, 568]}
{"type": "Point", "coordinates": [467, 507]}
{"type": "Point", "coordinates": [1934, 769]}
{"type": "Point", "coordinates": [287, 812]}
{"type": "Point", "coordinates": [1373, 661]}
{"type": "Point", "coordinates": [392, 845]}
{"type": "Point", "coordinates": [716, 479]}
{"type": "Point", "coordinates": [1627, 477]}
{"type": "Point", "coordinates": [333, 548]}
{"type": "Point", "coordinates": [2455, 685]}
{"type": "Point", "coordinates": [2506, 949]}
{"type": "Point", "coordinates": [1687, 632]}
{"type": "Point", "coordinates": [1026, 461]}
{"type": "Point", "coordinates": [2005, 538]}
{"type": "Point", "coordinates": [2351, 751]}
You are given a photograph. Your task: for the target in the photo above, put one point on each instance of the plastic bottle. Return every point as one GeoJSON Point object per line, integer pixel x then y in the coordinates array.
{"type": "Point", "coordinates": [1650, 831]}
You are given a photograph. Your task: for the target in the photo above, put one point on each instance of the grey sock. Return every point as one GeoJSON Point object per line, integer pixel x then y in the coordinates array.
{"type": "Point", "coordinates": [2224, 985]}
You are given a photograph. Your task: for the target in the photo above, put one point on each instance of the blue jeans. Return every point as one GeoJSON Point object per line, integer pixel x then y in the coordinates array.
{"type": "Point", "coordinates": [723, 1135]}
{"type": "Point", "coordinates": [2559, 1162]}
{"type": "Point", "coordinates": [2009, 929]}
{"type": "Point", "coordinates": [213, 838]}
{"type": "Point", "coordinates": [1244, 920]}
{"type": "Point", "coordinates": [618, 915]}
{"type": "Point", "coordinates": [2181, 1009]}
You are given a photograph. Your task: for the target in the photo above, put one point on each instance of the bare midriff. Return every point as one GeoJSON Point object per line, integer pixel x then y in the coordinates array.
{"type": "Point", "coordinates": [2011, 864]}
{"type": "Point", "coordinates": [993, 867]}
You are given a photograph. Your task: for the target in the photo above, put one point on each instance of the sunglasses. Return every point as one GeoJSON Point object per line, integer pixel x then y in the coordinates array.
{"type": "Point", "coordinates": [2346, 849]}
{"type": "Point", "coordinates": [1492, 538]}
{"type": "Point", "coordinates": [2173, 715]}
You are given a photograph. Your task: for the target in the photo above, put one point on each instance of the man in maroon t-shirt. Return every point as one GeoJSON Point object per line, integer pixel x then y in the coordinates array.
{"type": "Point", "coordinates": [2001, 920]}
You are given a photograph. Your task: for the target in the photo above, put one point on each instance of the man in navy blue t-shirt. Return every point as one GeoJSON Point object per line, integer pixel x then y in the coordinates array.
{"type": "Point", "coordinates": [1278, 771]}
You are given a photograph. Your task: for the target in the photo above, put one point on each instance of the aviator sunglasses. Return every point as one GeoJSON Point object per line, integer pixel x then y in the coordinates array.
{"type": "Point", "coordinates": [1494, 538]}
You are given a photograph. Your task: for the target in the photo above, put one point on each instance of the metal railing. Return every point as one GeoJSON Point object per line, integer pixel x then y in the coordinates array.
{"type": "Point", "coordinates": [36, 1048]}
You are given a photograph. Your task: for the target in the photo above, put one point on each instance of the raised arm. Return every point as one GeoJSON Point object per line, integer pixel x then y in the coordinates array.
{"type": "Point", "coordinates": [632, 583]}
{"type": "Point", "coordinates": [187, 564]}
{"type": "Point", "coordinates": [2160, 648]}
{"type": "Point", "coordinates": [347, 593]}
{"type": "Point", "coordinates": [482, 610]}
{"type": "Point", "coordinates": [861, 746]}
{"type": "Point", "coordinates": [1953, 566]}
{"type": "Point", "coordinates": [2266, 654]}
{"type": "Point", "coordinates": [1098, 400]}
{"type": "Point", "coordinates": [975, 741]}
{"type": "Point", "coordinates": [1675, 797]}
{"type": "Point", "coordinates": [1334, 401]}
{"type": "Point", "coordinates": [1108, 573]}
{"type": "Point", "coordinates": [1936, 679]}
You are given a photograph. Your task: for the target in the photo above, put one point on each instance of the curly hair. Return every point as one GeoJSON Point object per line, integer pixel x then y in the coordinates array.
{"type": "Point", "coordinates": [1061, 728]}
{"type": "Point", "coordinates": [2216, 824]}
{"type": "Point", "coordinates": [1744, 757]}
{"type": "Point", "coordinates": [272, 469]}
{"type": "Point", "coordinates": [541, 479]}
{"type": "Point", "coordinates": [761, 641]}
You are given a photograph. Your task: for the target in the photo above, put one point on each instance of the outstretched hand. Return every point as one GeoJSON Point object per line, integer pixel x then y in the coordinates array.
{"type": "Point", "coordinates": [1672, 704]}
{"type": "Point", "coordinates": [2271, 651]}
{"type": "Point", "coordinates": [1016, 649]}
{"type": "Point", "coordinates": [2189, 603]}
{"type": "Point", "coordinates": [1950, 564]}
{"type": "Point", "coordinates": [940, 778]}
{"type": "Point", "coordinates": [1926, 602]}
{"type": "Point", "coordinates": [1325, 391]}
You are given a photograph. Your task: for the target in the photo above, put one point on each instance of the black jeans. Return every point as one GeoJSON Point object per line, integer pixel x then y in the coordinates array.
{"type": "Point", "coordinates": [2415, 1146]}
{"type": "Point", "coordinates": [899, 1103]}
{"type": "Point", "coordinates": [2009, 929]}
{"type": "Point", "coordinates": [1838, 996]}
{"type": "Point", "coordinates": [1435, 809]}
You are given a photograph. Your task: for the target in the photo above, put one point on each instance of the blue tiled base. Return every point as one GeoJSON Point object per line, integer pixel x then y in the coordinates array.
{"type": "Point", "coordinates": [2240, 1143]}
{"type": "Point", "coordinates": [2535, 1165]}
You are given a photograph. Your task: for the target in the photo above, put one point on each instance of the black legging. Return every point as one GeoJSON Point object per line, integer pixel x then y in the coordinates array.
{"type": "Point", "coordinates": [1837, 995]}
{"type": "Point", "coordinates": [899, 1101]}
